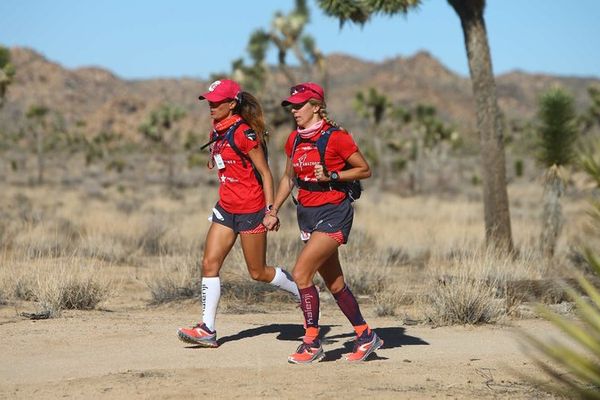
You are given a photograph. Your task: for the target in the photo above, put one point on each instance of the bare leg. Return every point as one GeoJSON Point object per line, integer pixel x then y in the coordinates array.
{"type": "Point", "coordinates": [254, 246]}
{"type": "Point", "coordinates": [219, 241]}
{"type": "Point", "coordinates": [331, 272]}
{"type": "Point", "coordinates": [318, 250]}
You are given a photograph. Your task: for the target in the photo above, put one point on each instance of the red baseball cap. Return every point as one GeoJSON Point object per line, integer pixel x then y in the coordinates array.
{"type": "Point", "coordinates": [221, 90]}
{"type": "Point", "coordinates": [304, 92]}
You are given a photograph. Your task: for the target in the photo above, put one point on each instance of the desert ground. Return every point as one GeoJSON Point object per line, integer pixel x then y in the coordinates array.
{"type": "Point", "coordinates": [125, 353]}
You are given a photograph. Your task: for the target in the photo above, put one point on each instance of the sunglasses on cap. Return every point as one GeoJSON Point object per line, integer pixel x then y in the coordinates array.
{"type": "Point", "coordinates": [302, 89]}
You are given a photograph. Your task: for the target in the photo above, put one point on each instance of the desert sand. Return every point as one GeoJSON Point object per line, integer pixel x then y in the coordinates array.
{"type": "Point", "coordinates": [134, 352]}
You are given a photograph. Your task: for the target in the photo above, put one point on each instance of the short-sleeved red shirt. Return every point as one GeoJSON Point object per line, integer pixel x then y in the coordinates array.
{"type": "Point", "coordinates": [239, 190]}
{"type": "Point", "coordinates": [341, 145]}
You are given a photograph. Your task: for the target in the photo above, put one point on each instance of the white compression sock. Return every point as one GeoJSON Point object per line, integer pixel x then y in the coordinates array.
{"type": "Point", "coordinates": [283, 280]}
{"type": "Point", "coordinates": [211, 294]}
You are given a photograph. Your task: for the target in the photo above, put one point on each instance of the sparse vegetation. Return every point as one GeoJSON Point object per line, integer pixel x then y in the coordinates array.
{"type": "Point", "coordinates": [582, 361]}
{"type": "Point", "coordinates": [473, 288]}
{"type": "Point", "coordinates": [582, 364]}
{"type": "Point", "coordinates": [178, 278]}
{"type": "Point", "coordinates": [56, 284]}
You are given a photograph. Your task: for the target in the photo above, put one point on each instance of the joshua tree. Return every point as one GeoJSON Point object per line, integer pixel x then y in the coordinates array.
{"type": "Point", "coordinates": [7, 72]}
{"type": "Point", "coordinates": [557, 133]}
{"type": "Point", "coordinates": [373, 106]}
{"type": "Point", "coordinates": [106, 146]}
{"type": "Point", "coordinates": [470, 12]}
{"type": "Point", "coordinates": [38, 115]}
{"type": "Point", "coordinates": [429, 133]}
{"type": "Point", "coordinates": [591, 117]}
{"type": "Point", "coordinates": [160, 128]}
{"type": "Point", "coordinates": [287, 35]}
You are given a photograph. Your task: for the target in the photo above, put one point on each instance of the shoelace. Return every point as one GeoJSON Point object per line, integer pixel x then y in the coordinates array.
{"type": "Point", "coordinates": [361, 340]}
{"type": "Point", "coordinates": [203, 327]}
{"type": "Point", "coordinates": [305, 346]}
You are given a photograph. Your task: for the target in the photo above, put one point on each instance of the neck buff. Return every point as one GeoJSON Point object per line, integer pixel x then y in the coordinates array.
{"type": "Point", "coordinates": [311, 131]}
{"type": "Point", "coordinates": [226, 123]}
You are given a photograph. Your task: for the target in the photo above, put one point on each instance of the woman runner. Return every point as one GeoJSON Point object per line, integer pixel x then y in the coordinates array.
{"type": "Point", "coordinates": [245, 197]}
{"type": "Point", "coordinates": [325, 213]}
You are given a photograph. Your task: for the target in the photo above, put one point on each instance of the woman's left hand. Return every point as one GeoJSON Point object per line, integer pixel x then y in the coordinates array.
{"type": "Point", "coordinates": [271, 222]}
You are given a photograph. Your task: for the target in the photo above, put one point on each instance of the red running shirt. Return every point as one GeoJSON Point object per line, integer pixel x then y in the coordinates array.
{"type": "Point", "coordinates": [306, 157]}
{"type": "Point", "coordinates": [239, 190]}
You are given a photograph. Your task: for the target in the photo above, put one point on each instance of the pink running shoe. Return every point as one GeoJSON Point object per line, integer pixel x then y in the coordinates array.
{"type": "Point", "coordinates": [199, 334]}
{"type": "Point", "coordinates": [307, 353]}
{"type": "Point", "coordinates": [364, 345]}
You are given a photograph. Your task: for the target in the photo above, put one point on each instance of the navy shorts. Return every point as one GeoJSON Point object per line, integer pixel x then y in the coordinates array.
{"type": "Point", "coordinates": [333, 219]}
{"type": "Point", "coordinates": [239, 223]}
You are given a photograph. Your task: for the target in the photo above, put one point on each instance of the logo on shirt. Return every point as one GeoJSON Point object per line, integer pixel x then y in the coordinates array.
{"type": "Point", "coordinates": [227, 179]}
{"type": "Point", "coordinates": [301, 162]}
{"type": "Point", "coordinates": [250, 134]}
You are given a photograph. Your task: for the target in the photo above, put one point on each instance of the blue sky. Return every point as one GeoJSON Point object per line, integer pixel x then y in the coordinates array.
{"type": "Point", "coordinates": [175, 38]}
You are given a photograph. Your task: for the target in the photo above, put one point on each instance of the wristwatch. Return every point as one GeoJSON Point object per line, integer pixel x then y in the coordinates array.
{"type": "Point", "coordinates": [334, 176]}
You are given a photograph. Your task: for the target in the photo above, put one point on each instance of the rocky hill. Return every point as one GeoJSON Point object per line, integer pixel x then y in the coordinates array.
{"type": "Point", "coordinates": [94, 100]}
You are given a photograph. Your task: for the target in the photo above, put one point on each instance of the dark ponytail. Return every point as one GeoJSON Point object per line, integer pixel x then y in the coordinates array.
{"type": "Point", "coordinates": [251, 111]}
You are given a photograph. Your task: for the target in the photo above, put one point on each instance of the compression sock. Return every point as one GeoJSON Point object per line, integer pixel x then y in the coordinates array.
{"type": "Point", "coordinates": [211, 294]}
{"type": "Point", "coordinates": [283, 280]}
{"type": "Point", "coordinates": [309, 303]}
{"type": "Point", "coordinates": [349, 306]}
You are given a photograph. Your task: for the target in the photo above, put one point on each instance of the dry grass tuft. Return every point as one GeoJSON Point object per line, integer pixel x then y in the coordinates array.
{"type": "Point", "coordinates": [463, 301]}
{"type": "Point", "coordinates": [151, 240]}
{"type": "Point", "coordinates": [56, 284]}
{"type": "Point", "coordinates": [366, 279]}
{"type": "Point", "coordinates": [109, 248]}
{"type": "Point", "coordinates": [388, 301]}
{"type": "Point", "coordinates": [48, 238]}
{"type": "Point", "coordinates": [177, 278]}
{"type": "Point", "coordinates": [471, 288]}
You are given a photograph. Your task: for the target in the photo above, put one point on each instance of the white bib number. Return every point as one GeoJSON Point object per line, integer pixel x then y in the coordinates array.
{"type": "Point", "coordinates": [219, 161]}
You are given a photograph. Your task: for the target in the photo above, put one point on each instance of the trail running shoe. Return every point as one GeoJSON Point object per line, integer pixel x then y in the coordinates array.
{"type": "Point", "coordinates": [364, 345]}
{"type": "Point", "coordinates": [199, 334]}
{"type": "Point", "coordinates": [307, 353]}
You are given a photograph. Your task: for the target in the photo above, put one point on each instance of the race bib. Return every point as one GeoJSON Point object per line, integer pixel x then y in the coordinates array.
{"type": "Point", "coordinates": [219, 161]}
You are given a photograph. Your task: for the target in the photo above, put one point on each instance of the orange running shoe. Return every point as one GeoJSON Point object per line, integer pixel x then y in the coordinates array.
{"type": "Point", "coordinates": [364, 345]}
{"type": "Point", "coordinates": [199, 334]}
{"type": "Point", "coordinates": [307, 353]}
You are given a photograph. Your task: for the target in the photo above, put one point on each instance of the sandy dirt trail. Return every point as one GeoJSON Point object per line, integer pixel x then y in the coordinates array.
{"type": "Point", "coordinates": [136, 354]}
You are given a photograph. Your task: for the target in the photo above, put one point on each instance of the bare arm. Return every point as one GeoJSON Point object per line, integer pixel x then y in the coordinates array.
{"type": "Point", "coordinates": [257, 156]}
{"type": "Point", "coordinates": [359, 169]}
{"type": "Point", "coordinates": [286, 184]}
